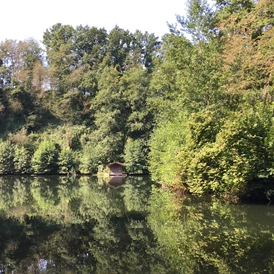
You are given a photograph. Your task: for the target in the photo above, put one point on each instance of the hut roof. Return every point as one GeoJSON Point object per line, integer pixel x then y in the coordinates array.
{"type": "Point", "coordinates": [115, 163]}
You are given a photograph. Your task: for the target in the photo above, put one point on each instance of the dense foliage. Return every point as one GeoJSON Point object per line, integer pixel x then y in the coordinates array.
{"type": "Point", "coordinates": [80, 103]}
{"type": "Point", "coordinates": [215, 130]}
{"type": "Point", "coordinates": [195, 109]}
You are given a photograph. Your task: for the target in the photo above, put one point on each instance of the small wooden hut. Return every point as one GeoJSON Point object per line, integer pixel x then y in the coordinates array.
{"type": "Point", "coordinates": [116, 169]}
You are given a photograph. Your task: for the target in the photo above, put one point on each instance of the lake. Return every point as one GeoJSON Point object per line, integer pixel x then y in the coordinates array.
{"type": "Point", "coordinates": [94, 225]}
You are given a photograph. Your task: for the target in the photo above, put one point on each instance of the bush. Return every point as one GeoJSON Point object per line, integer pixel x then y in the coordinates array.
{"type": "Point", "coordinates": [20, 138]}
{"type": "Point", "coordinates": [22, 160]}
{"type": "Point", "coordinates": [88, 161]}
{"type": "Point", "coordinates": [136, 156]}
{"type": "Point", "coordinates": [242, 152]}
{"type": "Point", "coordinates": [6, 157]}
{"type": "Point", "coordinates": [165, 146]}
{"type": "Point", "coordinates": [45, 158]}
{"type": "Point", "coordinates": [213, 152]}
{"type": "Point", "coordinates": [67, 162]}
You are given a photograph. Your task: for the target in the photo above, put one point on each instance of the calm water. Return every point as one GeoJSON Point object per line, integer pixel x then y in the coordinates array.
{"type": "Point", "coordinates": [88, 225]}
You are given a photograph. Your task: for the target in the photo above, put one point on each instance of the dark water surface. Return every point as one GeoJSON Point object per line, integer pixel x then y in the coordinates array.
{"type": "Point", "coordinates": [91, 225]}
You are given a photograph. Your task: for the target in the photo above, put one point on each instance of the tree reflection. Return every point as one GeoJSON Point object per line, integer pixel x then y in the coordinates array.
{"type": "Point", "coordinates": [210, 236]}
{"type": "Point", "coordinates": [81, 225]}
{"type": "Point", "coordinates": [75, 226]}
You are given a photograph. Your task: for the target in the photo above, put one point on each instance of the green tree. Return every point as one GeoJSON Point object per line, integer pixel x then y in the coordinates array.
{"type": "Point", "coordinates": [119, 46]}
{"type": "Point", "coordinates": [45, 158]}
{"type": "Point", "coordinates": [165, 146]}
{"type": "Point", "coordinates": [89, 45]}
{"type": "Point", "coordinates": [248, 54]}
{"type": "Point", "coordinates": [241, 153]}
{"type": "Point", "coordinates": [22, 160]}
{"type": "Point", "coordinates": [135, 155]}
{"type": "Point", "coordinates": [23, 78]}
{"type": "Point", "coordinates": [228, 7]}
{"type": "Point", "coordinates": [67, 162]}
{"type": "Point", "coordinates": [222, 77]}
{"type": "Point", "coordinates": [198, 21]}
{"type": "Point", "coordinates": [134, 85]}
{"type": "Point", "coordinates": [6, 157]}
{"type": "Point", "coordinates": [110, 114]}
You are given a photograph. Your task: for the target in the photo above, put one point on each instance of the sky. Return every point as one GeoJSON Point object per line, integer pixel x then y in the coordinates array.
{"type": "Point", "coordinates": [23, 19]}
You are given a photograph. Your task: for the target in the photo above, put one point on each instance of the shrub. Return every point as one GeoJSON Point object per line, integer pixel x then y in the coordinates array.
{"type": "Point", "coordinates": [20, 137]}
{"type": "Point", "coordinates": [136, 156]}
{"type": "Point", "coordinates": [165, 146]}
{"type": "Point", "coordinates": [88, 161]}
{"type": "Point", "coordinates": [45, 158]}
{"type": "Point", "coordinates": [213, 152]}
{"type": "Point", "coordinates": [243, 152]}
{"type": "Point", "coordinates": [6, 157]}
{"type": "Point", "coordinates": [22, 160]}
{"type": "Point", "coordinates": [67, 162]}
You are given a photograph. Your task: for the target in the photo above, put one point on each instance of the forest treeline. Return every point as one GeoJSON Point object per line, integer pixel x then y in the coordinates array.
{"type": "Point", "coordinates": [195, 108]}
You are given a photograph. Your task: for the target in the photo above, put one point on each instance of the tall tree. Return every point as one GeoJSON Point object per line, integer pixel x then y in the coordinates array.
{"type": "Point", "coordinates": [199, 20]}
{"type": "Point", "coordinates": [23, 79]}
{"type": "Point", "coordinates": [119, 46]}
{"type": "Point", "coordinates": [58, 43]}
{"type": "Point", "coordinates": [139, 120]}
{"type": "Point", "coordinates": [223, 142]}
{"type": "Point", "coordinates": [110, 113]}
{"type": "Point", "coordinates": [227, 8]}
{"type": "Point", "coordinates": [248, 53]}
{"type": "Point", "coordinates": [89, 45]}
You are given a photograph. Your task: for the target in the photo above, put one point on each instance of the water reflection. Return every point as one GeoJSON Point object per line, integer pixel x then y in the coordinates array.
{"type": "Point", "coordinates": [210, 236]}
{"type": "Point", "coordinates": [60, 225]}
{"type": "Point", "coordinates": [93, 225]}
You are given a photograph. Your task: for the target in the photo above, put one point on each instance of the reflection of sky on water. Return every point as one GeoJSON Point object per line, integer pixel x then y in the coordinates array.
{"type": "Point", "coordinates": [43, 265]}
